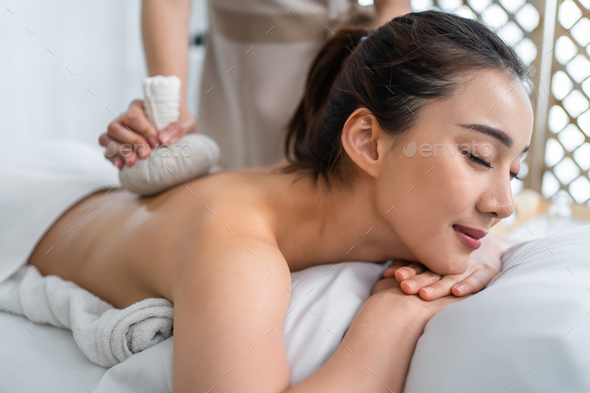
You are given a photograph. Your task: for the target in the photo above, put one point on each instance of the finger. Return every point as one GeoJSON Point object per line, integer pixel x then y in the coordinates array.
{"type": "Point", "coordinates": [137, 122]}
{"type": "Point", "coordinates": [439, 288]}
{"type": "Point", "coordinates": [111, 151]}
{"type": "Point", "coordinates": [474, 283]}
{"type": "Point", "coordinates": [172, 132]}
{"type": "Point", "coordinates": [117, 161]}
{"type": "Point", "coordinates": [121, 134]}
{"type": "Point", "coordinates": [417, 282]}
{"type": "Point", "coordinates": [122, 150]}
{"type": "Point", "coordinates": [414, 268]}
{"type": "Point", "coordinates": [112, 147]}
{"type": "Point", "coordinates": [176, 130]}
{"type": "Point", "coordinates": [383, 284]}
{"type": "Point", "coordinates": [396, 264]}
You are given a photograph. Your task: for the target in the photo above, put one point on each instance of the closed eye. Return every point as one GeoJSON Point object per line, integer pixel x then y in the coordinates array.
{"type": "Point", "coordinates": [486, 164]}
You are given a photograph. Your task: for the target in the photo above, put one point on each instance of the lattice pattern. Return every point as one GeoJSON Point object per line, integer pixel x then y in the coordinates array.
{"type": "Point", "coordinates": [567, 149]}
{"type": "Point", "coordinates": [517, 22]}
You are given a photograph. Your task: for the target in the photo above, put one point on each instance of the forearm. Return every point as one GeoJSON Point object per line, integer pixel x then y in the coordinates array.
{"type": "Point", "coordinates": [375, 353]}
{"type": "Point", "coordinates": [388, 9]}
{"type": "Point", "coordinates": [164, 25]}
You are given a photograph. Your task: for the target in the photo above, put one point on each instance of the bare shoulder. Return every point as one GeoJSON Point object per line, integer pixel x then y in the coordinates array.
{"type": "Point", "coordinates": [236, 202]}
{"type": "Point", "coordinates": [231, 294]}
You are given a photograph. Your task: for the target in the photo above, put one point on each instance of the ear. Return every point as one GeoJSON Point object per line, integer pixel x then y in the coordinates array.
{"type": "Point", "coordinates": [362, 138]}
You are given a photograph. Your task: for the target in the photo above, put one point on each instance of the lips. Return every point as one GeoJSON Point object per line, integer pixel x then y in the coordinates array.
{"type": "Point", "coordinates": [473, 232]}
{"type": "Point", "coordinates": [469, 236]}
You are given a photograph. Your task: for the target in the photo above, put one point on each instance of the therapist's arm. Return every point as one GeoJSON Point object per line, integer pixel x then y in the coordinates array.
{"type": "Point", "coordinates": [389, 9]}
{"type": "Point", "coordinates": [166, 43]}
{"type": "Point", "coordinates": [164, 25]}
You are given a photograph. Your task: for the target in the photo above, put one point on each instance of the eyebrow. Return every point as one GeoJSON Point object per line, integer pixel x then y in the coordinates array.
{"type": "Point", "coordinates": [491, 131]}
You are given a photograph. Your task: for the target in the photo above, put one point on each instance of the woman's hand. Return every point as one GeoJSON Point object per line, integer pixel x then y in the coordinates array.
{"type": "Point", "coordinates": [389, 288]}
{"type": "Point", "coordinates": [484, 264]}
{"type": "Point", "coordinates": [132, 135]}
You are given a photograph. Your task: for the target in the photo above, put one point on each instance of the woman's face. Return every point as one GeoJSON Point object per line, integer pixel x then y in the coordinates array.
{"type": "Point", "coordinates": [445, 200]}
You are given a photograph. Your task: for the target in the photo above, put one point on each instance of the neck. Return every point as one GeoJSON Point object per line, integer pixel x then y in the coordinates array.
{"type": "Point", "coordinates": [318, 225]}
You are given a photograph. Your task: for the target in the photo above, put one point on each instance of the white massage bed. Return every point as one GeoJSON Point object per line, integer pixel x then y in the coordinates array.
{"type": "Point", "coordinates": [527, 331]}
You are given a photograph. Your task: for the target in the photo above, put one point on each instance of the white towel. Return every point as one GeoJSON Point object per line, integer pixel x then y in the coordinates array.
{"type": "Point", "coordinates": [106, 335]}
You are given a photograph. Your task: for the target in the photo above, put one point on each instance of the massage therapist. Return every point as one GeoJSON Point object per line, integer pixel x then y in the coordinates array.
{"type": "Point", "coordinates": [257, 55]}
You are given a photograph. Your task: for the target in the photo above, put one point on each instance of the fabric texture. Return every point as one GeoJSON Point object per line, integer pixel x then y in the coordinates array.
{"type": "Point", "coordinates": [106, 335]}
{"type": "Point", "coordinates": [191, 156]}
{"type": "Point", "coordinates": [161, 99]}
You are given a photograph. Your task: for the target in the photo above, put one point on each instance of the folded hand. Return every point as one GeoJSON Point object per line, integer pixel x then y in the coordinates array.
{"type": "Point", "coordinates": [484, 264]}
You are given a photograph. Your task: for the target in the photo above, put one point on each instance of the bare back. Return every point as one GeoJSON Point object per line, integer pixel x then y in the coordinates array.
{"type": "Point", "coordinates": [210, 246]}
{"type": "Point", "coordinates": [125, 249]}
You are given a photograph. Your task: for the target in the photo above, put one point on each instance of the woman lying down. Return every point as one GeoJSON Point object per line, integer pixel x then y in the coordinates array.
{"type": "Point", "coordinates": [402, 148]}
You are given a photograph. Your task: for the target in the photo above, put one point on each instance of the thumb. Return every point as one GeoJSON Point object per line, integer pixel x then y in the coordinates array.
{"type": "Point", "coordinates": [172, 132]}
{"type": "Point", "coordinates": [389, 272]}
{"type": "Point", "coordinates": [176, 130]}
{"type": "Point", "coordinates": [396, 264]}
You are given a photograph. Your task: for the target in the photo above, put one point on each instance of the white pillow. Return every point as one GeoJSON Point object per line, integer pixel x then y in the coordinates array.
{"type": "Point", "coordinates": [528, 331]}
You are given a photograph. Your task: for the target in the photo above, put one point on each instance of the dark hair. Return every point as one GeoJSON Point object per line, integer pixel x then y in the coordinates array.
{"type": "Point", "coordinates": [398, 69]}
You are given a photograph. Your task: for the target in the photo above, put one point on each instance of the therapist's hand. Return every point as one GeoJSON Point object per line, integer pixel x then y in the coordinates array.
{"type": "Point", "coordinates": [484, 264]}
{"type": "Point", "coordinates": [132, 135]}
{"type": "Point", "coordinates": [185, 124]}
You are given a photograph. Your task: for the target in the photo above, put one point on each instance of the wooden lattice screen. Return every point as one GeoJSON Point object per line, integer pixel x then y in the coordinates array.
{"type": "Point", "coordinates": [566, 157]}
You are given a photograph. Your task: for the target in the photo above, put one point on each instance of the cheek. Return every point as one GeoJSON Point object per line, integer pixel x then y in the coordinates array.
{"type": "Point", "coordinates": [454, 185]}
{"type": "Point", "coordinates": [426, 214]}
{"type": "Point", "coordinates": [453, 194]}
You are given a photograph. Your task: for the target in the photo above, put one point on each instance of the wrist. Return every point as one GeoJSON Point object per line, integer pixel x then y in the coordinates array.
{"type": "Point", "coordinates": [410, 306]}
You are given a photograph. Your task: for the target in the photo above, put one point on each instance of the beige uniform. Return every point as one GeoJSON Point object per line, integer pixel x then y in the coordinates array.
{"type": "Point", "coordinates": [258, 56]}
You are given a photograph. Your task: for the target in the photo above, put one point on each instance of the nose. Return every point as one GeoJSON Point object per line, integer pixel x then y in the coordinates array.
{"type": "Point", "coordinates": [497, 199]}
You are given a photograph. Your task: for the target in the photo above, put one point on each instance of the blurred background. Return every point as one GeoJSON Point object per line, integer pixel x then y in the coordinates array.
{"type": "Point", "coordinates": [69, 67]}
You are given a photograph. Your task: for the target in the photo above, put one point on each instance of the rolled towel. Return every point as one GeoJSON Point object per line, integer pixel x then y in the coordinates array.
{"type": "Point", "coordinates": [106, 335]}
{"type": "Point", "coordinates": [167, 166]}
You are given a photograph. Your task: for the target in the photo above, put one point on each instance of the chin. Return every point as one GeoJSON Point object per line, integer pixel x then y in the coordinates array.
{"type": "Point", "coordinates": [454, 264]}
